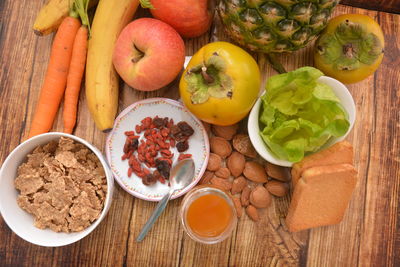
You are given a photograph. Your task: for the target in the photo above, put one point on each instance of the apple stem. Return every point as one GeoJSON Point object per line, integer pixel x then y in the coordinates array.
{"type": "Point", "coordinates": [138, 54]}
{"type": "Point", "coordinates": [208, 78]}
{"type": "Point", "coordinates": [135, 59]}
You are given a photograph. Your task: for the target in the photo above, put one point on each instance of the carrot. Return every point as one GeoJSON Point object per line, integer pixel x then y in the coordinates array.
{"type": "Point", "coordinates": [56, 77]}
{"type": "Point", "coordinates": [74, 79]}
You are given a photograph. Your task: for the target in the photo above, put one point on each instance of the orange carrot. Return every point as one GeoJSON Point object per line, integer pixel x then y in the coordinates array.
{"type": "Point", "coordinates": [74, 79]}
{"type": "Point", "coordinates": [56, 77]}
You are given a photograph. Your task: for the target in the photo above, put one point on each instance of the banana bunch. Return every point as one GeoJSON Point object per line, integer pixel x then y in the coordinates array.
{"type": "Point", "coordinates": [101, 78]}
{"type": "Point", "coordinates": [51, 15]}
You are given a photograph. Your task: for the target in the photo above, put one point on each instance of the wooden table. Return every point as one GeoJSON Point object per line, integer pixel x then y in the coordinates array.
{"type": "Point", "coordinates": [368, 235]}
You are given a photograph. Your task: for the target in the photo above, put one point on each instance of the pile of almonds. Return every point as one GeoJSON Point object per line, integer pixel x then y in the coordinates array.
{"type": "Point", "coordinates": [234, 167]}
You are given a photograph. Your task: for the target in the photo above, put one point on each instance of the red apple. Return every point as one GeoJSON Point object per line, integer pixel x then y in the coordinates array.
{"type": "Point", "coordinates": [148, 54]}
{"type": "Point", "coordinates": [191, 18]}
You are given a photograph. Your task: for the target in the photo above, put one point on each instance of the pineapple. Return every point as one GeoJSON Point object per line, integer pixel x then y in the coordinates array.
{"type": "Point", "coordinates": [275, 25]}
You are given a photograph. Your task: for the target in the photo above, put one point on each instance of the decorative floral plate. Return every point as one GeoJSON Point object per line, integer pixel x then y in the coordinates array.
{"type": "Point", "coordinates": [126, 121]}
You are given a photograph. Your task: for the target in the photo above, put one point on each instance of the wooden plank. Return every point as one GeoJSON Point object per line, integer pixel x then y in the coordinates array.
{"type": "Point", "coordinates": [323, 239]}
{"type": "Point", "coordinates": [391, 6]}
{"type": "Point", "coordinates": [19, 58]}
{"type": "Point", "coordinates": [381, 220]}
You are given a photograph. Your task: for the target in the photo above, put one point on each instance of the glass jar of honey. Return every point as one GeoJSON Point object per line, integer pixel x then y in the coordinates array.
{"type": "Point", "coordinates": [208, 214]}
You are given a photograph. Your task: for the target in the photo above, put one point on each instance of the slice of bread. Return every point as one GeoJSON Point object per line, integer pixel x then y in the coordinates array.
{"type": "Point", "coordinates": [321, 196]}
{"type": "Point", "coordinates": [341, 152]}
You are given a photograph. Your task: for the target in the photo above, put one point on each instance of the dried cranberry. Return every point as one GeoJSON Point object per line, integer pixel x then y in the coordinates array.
{"type": "Point", "coordinates": [182, 146]}
{"type": "Point", "coordinates": [166, 120]}
{"type": "Point", "coordinates": [159, 122]}
{"type": "Point", "coordinates": [134, 144]}
{"type": "Point", "coordinates": [175, 130]}
{"type": "Point", "coordinates": [185, 128]}
{"type": "Point", "coordinates": [156, 174]}
{"type": "Point", "coordinates": [149, 179]}
{"type": "Point", "coordinates": [163, 167]}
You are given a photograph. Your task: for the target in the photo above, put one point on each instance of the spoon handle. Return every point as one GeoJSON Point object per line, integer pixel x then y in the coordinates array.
{"type": "Point", "coordinates": [156, 213]}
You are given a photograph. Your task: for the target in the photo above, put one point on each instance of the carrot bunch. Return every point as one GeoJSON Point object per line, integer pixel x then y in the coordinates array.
{"type": "Point", "coordinates": [64, 72]}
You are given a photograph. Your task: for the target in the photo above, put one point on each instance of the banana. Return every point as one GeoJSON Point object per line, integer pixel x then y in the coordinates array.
{"type": "Point", "coordinates": [101, 78]}
{"type": "Point", "coordinates": [51, 15]}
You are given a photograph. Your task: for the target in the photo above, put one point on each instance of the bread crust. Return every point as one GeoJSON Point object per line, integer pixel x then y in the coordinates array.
{"type": "Point", "coordinates": [341, 152]}
{"type": "Point", "coordinates": [321, 196]}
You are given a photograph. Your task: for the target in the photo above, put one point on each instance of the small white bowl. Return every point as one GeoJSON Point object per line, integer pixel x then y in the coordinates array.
{"type": "Point", "coordinates": [163, 107]}
{"type": "Point", "coordinates": [340, 91]}
{"type": "Point", "coordinates": [20, 221]}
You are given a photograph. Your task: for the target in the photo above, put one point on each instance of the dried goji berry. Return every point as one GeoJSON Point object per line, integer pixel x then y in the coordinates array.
{"type": "Point", "coordinates": [165, 132]}
{"type": "Point", "coordinates": [141, 157]}
{"type": "Point", "coordinates": [128, 133]}
{"type": "Point", "coordinates": [166, 152]}
{"type": "Point", "coordinates": [149, 142]}
{"type": "Point", "coordinates": [170, 123]}
{"type": "Point", "coordinates": [126, 146]}
{"type": "Point", "coordinates": [167, 160]}
{"type": "Point", "coordinates": [184, 156]}
{"type": "Point", "coordinates": [172, 142]}
{"type": "Point", "coordinates": [158, 136]}
{"type": "Point", "coordinates": [130, 172]}
{"type": "Point", "coordinates": [168, 156]}
{"type": "Point", "coordinates": [138, 129]}
{"type": "Point", "coordinates": [148, 157]}
{"type": "Point", "coordinates": [140, 174]}
{"type": "Point", "coordinates": [146, 171]}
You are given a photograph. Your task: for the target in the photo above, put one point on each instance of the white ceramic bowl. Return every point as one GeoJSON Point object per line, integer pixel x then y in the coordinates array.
{"type": "Point", "coordinates": [340, 91]}
{"type": "Point", "coordinates": [21, 222]}
{"type": "Point", "coordinates": [163, 107]}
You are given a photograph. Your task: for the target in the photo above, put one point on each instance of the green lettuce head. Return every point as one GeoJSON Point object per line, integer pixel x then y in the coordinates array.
{"type": "Point", "coordinates": [300, 114]}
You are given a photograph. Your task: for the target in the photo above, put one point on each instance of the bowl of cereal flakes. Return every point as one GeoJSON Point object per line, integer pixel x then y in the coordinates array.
{"type": "Point", "coordinates": [55, 189]}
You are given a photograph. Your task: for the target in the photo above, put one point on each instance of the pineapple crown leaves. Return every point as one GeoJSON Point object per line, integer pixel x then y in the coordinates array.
{"type": "Point", "coordinates": [209, 80]}
{"type": "Point", "coordinates": [146, 4]}
{"type": "Point", "coordinates": [349, 46]}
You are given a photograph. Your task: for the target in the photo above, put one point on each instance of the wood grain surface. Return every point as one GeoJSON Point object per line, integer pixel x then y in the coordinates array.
{"type": "Point", "coordinates": [391, 6]}
{"type": "Point", "coordinates": [368, 235]}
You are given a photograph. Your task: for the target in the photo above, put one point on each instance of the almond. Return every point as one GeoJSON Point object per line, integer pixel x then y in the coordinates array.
{"type": "Point", "coordinates": [226, 132]}
{"type": "Point", "coordinates": [260, 197]}
{"type": "Point", "coordinates": [276, 188]}
{"type": "Point", "coordinates": [242, 143]}
{"type": "Point", "coordinates": [214, 162]}
{"type": "Point", "coordinates": [238, 185]}
{"type": "Point", "coordinates": [252, 212]}
{"type": "Point", "coordinates": [277, 172]}
{"type": "Point", "coordinates": [245, 197]}
{"type": "Point", "coordinates": [221, 183]}
{"type": "Point", "coordinates": [220, 146]}
{"type": "Point", "coordinates": [238, 206]}
{"type": "Point", "coordinates": [255, 172]}
{"type": "Point", "coordinates": [235, 163]}
{"type": "Point", "coordinates": [223, 173]}
{"type": "Point", "coordinates": [205, 179]}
